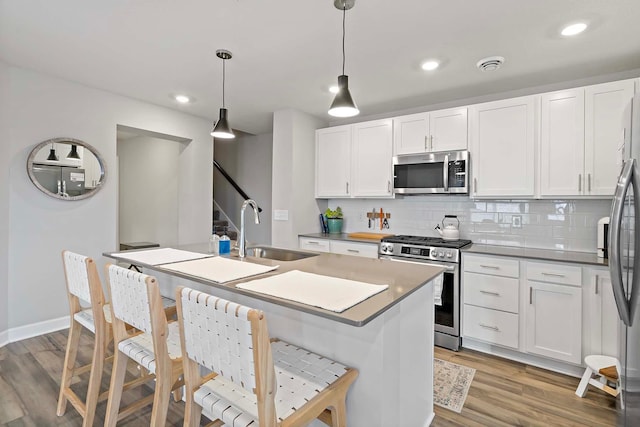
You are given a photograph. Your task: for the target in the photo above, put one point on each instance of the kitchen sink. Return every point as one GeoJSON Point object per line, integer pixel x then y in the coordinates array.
{"type": "Point", "coordinates": [277, 253]}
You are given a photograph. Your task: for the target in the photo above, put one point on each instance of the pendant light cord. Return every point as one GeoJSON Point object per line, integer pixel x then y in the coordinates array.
{"type": "Point", "coordinates": [344, 16]}
{"type": "Point", "coordinates": [223, 79]}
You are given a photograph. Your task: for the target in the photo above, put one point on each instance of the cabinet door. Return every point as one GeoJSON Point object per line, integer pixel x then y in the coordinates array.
{"type": "Point", "coordinates": [502, 148]}
{"type": "Point", "coordinates": [554, 321]}
{"type": "Point", "coordinates": [562, 143]}
{"type": "Point", "coordinates": [316, 245]}
{"type": "Point", "coordinates": [333, 161]}
{"type": "Point", "coordinates": [448, 129]}
{"type": "Point", "coordinates": [604, 109]}
{"type": "Point", "coordinates": [601, 318]}
{"type": "Point", "coordinates": [372, 159]}
{"type": "Point", "coordinates": [411, 134]}
{"type": "Point", "coordinates": [366, 250]}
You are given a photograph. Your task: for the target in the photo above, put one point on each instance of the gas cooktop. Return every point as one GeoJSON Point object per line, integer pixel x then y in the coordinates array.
{"type": "Point", "coordinates": [427, 241]}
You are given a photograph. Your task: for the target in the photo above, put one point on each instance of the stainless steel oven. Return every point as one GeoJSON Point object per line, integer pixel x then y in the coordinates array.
{"type": "Point", "coordinates": [441, 253]}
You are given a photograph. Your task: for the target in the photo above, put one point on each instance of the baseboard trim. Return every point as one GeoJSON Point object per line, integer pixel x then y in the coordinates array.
{"type": "Point", "coordinates": [34, 329]}
{"type": "Point", "coordinates": [4, 338]}
{"type": "Point", "coordinates": [430, 420]}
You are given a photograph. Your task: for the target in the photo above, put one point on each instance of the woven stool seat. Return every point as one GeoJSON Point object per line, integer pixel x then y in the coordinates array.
{"type": "Point", "coordinates": [255, 380]}
{"type": "Point", "coordinates": [140, 347]}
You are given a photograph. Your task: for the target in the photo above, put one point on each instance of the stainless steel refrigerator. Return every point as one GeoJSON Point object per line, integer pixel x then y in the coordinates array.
{"type": "Point", "coordinates": [60, 180]}
{"type": "Point", "coordinates": [624, 234]}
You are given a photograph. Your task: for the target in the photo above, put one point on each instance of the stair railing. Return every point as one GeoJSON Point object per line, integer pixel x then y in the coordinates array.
{"type": "Point", "coordinates": [232, 182]}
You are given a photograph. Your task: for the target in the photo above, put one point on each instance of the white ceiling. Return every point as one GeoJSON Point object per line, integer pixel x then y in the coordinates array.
{"type": "Point", "coordinates": [287, 53]}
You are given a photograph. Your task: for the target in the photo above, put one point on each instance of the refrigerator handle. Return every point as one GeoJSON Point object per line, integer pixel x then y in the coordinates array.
{"type": "Point", "coordinates": [615, 260]}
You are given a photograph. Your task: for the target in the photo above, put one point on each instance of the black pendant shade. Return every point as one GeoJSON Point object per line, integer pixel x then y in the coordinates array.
{"type": "Point", "coordinates": [52, 155]}
{"type": "Point", "coordinates": [222, 128]}
{"type": "Point", "coordinates": [343, 104]}
{"type": "Point", "coordinates": [73, 154]}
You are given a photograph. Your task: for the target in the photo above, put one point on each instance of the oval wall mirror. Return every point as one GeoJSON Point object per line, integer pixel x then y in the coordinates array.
{"type": "Point", "coordinates": [66, 168]}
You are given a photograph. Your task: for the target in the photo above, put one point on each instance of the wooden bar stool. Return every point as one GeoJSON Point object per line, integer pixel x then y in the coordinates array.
{"type": "Point", "coordinates": [601, 372]}
{"type": "Point", "coordinates": [255, 381]}
{"type": "Point", "coordinates": [154, 344]}
{"type": "Point", "coordinates": [83, 283]}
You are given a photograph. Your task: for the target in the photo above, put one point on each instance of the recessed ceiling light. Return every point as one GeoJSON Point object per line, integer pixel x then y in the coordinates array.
{"type": "Point", "coordinates": [182, 99]}
{"type": "Point", "coordinates": [334, 89]}
{"type": "Point", "coordinates": [573, 29]}
{"type": "Point", "coordinates": [430, 65]}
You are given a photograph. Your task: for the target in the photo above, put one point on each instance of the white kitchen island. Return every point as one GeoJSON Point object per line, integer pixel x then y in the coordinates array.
{"type": "Point", "coordinates": [388, 337]}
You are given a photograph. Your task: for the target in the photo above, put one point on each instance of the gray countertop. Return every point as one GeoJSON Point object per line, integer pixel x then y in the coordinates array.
{"type": "Point", "coordinates": [403, 279]}
{"type": "Point", "coordinates": [541, 254]}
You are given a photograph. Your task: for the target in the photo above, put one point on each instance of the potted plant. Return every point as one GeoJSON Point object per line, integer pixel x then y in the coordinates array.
{"type": "Point", "coordinates": [334, 219]}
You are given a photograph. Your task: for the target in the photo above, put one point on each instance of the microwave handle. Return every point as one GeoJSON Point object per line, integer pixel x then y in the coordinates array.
{"type": "Point", "coordinates": [445, 172]}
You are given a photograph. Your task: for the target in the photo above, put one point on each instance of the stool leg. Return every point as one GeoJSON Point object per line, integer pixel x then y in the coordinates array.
{"type": "Point", "coordinates": [69, 362]}
{"type": "Point", "coordinates": [115, 387]}
{"type": "Point", "coordinates": [584, 382]}
{"type": "Point", "coordinates": [95, 378]}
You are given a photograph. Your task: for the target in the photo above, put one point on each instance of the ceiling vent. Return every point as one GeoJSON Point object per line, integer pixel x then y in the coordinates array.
{"type": "Point", "coordinates": [490, 63]}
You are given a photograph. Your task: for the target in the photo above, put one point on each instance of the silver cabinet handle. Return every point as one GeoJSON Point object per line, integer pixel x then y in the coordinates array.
{"type": "Point", "coordinates": [431, 143]}
{"type": "Point", "coordinates": [552, 274]}
{"type": "Point", "coordinates": [490, 293]}
{"type": "Point", "coordinates": [347, 188]}
{"type": "Point", "coordinates": [475, 185]}
{"type": "Point", "coordinates": [388, 186]}
{"type": "Point", "coordinates": [355, 251]}
{"type": "Point", "coordinates": [579, 183]}
{"type": "Point", "coordinates": [313, 243]}
{"type": "Point", "coordinates": [494, 328]}
{"type": "Point", "coordinates": [493, 267]}
{"type": "Point", "coordinates": [589, 182]}
{"type": "Point", "coordinates": [597, 280]}
{"type": "Point", "coordinates": [530, 295]}
{"type": "Point", "coordinates": [426, 143]}
{"type": "Point", "coordinates": [445, 172]}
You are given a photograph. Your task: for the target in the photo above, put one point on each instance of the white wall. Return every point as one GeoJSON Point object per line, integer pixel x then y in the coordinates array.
{"type": "Point", "coordinates": [247, 159]}
{"type": "Point", "coordinates": [294, 176]}
{"type": "Point", "coordinates": [5, 163]}
{"type": "Point", "coordinates": [149, 180]}
{"type": "Point", "coordinates": [40, 227]}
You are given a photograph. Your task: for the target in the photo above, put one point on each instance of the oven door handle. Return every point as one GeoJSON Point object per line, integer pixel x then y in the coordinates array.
{"type": "Point", "coordinates": [446, 267]}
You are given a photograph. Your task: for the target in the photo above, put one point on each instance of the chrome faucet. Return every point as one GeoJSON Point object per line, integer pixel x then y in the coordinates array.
{"type": "Point", "coordinates": [242, 244]}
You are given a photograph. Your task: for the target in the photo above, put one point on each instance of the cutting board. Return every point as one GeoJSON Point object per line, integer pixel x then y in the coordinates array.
{"type": "Point", "coordinates": [366, 235]}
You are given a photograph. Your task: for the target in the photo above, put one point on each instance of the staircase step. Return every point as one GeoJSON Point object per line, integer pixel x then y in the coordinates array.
{"type": "Point", "coordinates": [220, 223]}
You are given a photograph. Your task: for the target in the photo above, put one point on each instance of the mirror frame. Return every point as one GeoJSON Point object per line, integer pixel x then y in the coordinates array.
{"type": "Point", "coordinates": [71, 141]}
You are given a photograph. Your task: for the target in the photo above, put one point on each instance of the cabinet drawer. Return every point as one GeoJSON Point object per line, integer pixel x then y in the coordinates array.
{"type": "Point", "coordinates": [317, 245]}
{"type": "Point", "coordinates": [367, 250]}
{"type": "Point", "coordinates": [554, 273]}
{"type": "Point", "coordinates": [493, 326]}
{"type": "Point", "coordinates": [500, 293]}
{"type": "Point", "coordinates": [492, 265]}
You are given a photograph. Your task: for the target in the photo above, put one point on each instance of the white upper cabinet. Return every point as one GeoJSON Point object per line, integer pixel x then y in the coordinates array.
{"type": "Point", "coordinates": [562, 143]}
{"type": "Point", "coordinates": [581, 139]}
{"type": "Point", "coordinates": [333, 161]}
{"type": "Point", "coordinates": [604, 134]}
{"type": "Point", "coordinates": [371, 170]}
{"type": "Point", "coordinates": [442, 130]}
{"type": "Point", "coordinates": [355, 160]}
{"type": "Point", "coordinates": [411, 134]}
{"type": "Point", "coordinates": [502, 144]}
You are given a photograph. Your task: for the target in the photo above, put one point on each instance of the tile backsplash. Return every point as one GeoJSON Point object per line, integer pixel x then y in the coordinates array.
{"type": "Point", "coordinates": [544, 224]}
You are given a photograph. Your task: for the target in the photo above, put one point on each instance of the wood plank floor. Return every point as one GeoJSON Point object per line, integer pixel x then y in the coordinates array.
{"type": "Point", "coordinates": [503, 393]}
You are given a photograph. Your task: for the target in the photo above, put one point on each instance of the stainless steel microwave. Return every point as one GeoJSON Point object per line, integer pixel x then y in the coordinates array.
{"type": "Point", "coordinates": [431, 173]}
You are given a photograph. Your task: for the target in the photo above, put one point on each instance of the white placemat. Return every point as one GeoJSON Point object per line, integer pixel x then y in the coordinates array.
{"type": "Point", "coordinates": [219, 269]}
{"type": "Point", "coordinates": [159, 256]}
{"type": "Point", "coordinates": [330, 293]}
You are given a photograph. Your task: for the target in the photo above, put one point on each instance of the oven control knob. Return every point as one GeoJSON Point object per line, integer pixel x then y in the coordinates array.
{"type": "Point", "coordinates": [449, 254]}
{"type": "Point", "coordinates": [441, 254]}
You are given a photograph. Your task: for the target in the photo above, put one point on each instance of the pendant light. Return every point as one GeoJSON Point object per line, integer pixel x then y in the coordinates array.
{"type": "Point", "coordinates": [73, 153]}
{"type": "Point", "coordinates": [52, 154]}
{"type": "Point", "coordinates": [343, 105]}
{"type": "Point", "coordinates": [222, 129]}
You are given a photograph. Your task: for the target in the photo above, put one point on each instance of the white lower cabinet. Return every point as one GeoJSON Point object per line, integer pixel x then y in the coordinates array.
{"type": "Point", "coordinates": [344, 247]}
{"type": "Point", "coordinates": [490, 295]}
{"type": "Point", "coordinates": [601, 332]}
{"type": "Point", "coordinates": [553, 312]}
